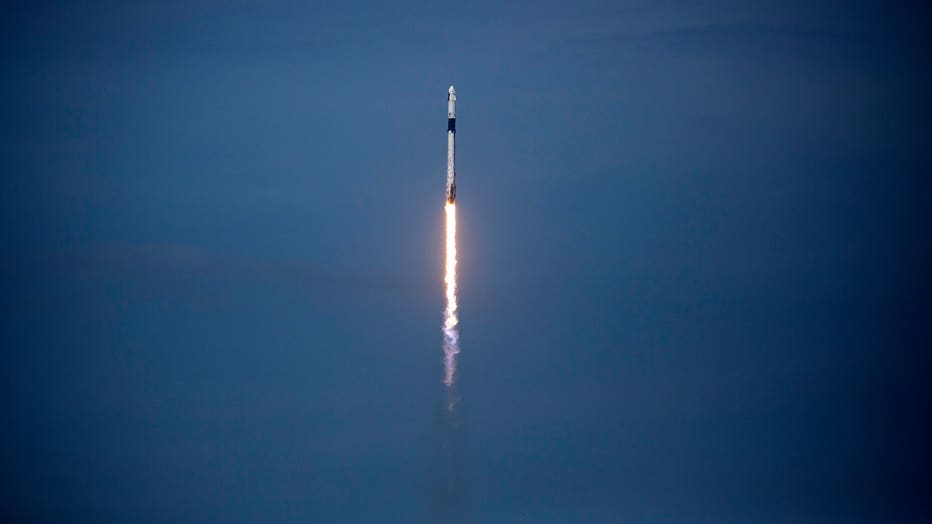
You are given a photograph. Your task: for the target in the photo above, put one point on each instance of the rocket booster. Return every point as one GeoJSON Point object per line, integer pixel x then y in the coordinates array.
{"type": "Point", "coordinates": [451, 145]}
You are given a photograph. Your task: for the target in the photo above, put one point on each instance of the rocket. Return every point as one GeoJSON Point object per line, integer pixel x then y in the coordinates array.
{"type": "Point", "coordinates": [451, 145]}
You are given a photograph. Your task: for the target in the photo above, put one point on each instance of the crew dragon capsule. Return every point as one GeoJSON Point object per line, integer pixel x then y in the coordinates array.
{"type": "Point", "coordinates": [451, 145]}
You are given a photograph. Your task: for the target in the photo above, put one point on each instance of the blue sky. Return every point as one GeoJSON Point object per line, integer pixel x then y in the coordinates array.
{"type": "Point", "coordinates": [693, 271]}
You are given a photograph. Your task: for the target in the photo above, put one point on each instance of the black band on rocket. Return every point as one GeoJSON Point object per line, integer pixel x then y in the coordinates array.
{"type": "Point", "coordinates": [451, 125]}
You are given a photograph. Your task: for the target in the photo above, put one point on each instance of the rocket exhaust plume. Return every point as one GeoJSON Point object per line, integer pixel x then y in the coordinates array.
{"type": "Point", "coordinates": [451, 345]}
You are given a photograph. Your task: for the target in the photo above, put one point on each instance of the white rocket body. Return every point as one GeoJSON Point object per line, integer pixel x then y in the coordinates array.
{"type": "Point", "coordinates": [451, 146]}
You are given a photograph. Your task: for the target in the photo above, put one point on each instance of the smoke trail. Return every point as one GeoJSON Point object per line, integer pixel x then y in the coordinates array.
{"type": "Point", "coordinates": [451, 344]}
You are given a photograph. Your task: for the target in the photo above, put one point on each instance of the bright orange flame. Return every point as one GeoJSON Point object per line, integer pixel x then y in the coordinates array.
{"type": "Point", "coordinates": [450, 334]}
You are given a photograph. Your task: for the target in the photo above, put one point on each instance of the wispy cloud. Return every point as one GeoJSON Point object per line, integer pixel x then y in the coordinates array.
{"type": "Point", "coordinates": [713, 35]}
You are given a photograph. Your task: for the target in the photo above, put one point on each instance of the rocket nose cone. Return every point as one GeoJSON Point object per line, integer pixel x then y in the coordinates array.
{"type": "Point", "coordinates": [451, 89]}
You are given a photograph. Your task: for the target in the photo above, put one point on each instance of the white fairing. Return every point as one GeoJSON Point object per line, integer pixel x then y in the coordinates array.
{"type": "Point", "coordinates": [451, 103]}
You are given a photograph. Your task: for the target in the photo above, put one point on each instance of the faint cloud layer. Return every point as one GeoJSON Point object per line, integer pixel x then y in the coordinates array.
{"type": "Point", "coordinates": [714, 34]}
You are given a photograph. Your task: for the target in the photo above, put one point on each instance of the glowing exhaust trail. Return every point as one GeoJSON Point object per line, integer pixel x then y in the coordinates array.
{"type": "Point", "coordinates": [451, 345]}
